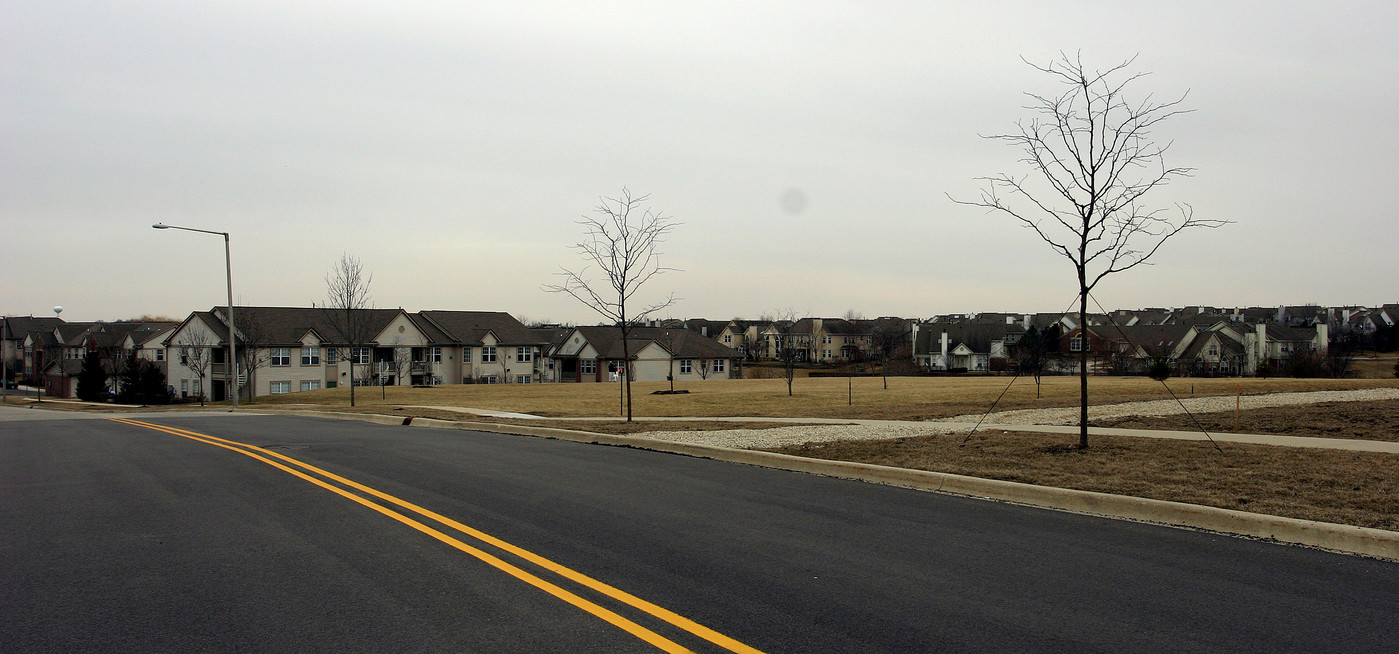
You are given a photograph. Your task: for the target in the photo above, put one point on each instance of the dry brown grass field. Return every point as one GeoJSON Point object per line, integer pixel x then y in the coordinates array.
{"type": "Point", "coordinates": [907, 398]}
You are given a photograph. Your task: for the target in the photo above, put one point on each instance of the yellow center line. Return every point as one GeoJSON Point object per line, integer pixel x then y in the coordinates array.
{"type": "Point", "coordinates": [262, 454]}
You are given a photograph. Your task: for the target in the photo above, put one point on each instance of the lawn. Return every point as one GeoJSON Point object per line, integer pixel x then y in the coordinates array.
{"type": "Point", "coordinates": [907, 398]}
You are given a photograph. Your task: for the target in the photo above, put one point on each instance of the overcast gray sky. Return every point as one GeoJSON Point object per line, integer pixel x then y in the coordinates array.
{"type": "Point", "coordinates": [452, 145]}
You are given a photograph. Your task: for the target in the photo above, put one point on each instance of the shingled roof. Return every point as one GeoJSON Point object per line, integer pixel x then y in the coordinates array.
{"type": "Point", "coordinates": [681, 343]}
{"type": "Point", "coordinates": [469, 327]}
{"type": "Point", "coordinates": [15, 328]}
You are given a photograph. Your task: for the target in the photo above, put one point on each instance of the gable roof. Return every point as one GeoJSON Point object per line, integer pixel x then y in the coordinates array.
{"type": "Point", "coordinates": [469, 327]}
{"type": "Point", "coordinates": [15, 328]}
{"type": "Point", "coordinates": [1153, 340]}
{"type": "Point", "coordinates": [680, 343]}
{"type": "Point", "coordinates": [976, 336]}
{"type": "Point", "coordinates": [284, 326]}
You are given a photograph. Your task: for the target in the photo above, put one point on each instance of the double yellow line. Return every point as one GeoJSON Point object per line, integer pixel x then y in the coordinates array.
{"type": "Point", "coordinates": [324, 478]}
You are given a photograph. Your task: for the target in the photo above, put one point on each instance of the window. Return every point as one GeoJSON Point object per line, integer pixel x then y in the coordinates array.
{"type": "Point", "coordinates": [1214, 350]}
{"type": "Point", "coordinates": [435, 356]}
{"type": "Point", "coordinates": [466, 355]}
{"type": "Point", "coordinates": [524, 353]}
{"type": "Point", "coordinates": [361, 355]}
{"type": "Point", "coordinates": [310, 385]}
{"type": "Point", "coordinates": [826, 340]}
{"type": "Point", "coordinates": [523, 379]}
{"type": "Point", "coordinates": [487, 353]}
{"type": "Point", "coordinates": [685, 366]}
{"type": "Point", "coordinates": [281, 387]}
{"type": "Point", "coordinates": [281, 356]}
{"type": "Point", "coordinates": [160, 355]}
{"type": "Point", "coordinates": [587, 367]}
{"type": "Point", "coordinates": [332, 356]}
{"type": "Point", "coordinates": [718, 365]}
{"type": "Point", "coordinates": [488, 379]}
{"type": "Point", "coordinates": [728, 338]}
{"type": "Point", "coordinates": [184, 387]}
{"type": "Point", "coordinates": [310, 356]}
{"type": "Point", "coordinates": [825, 354]}
{"type": "Point", "coordinates": [1076, 344]}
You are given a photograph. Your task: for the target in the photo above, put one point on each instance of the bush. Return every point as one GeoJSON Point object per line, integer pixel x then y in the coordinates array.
{"type": "Point", "coordinates": [1159, 369]}
{"type": "Point", "coordinates": [1305, 363]}
{"type": "Point", "coordinates": [142, 383]}
{"type": "Point", "coordinates": [92, 379]}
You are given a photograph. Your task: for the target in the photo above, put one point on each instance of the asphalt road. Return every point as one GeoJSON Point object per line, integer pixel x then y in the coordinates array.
{"type": "Point", "coordinates": [122, 538]}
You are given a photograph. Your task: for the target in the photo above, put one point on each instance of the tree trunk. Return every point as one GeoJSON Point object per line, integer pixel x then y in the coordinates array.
{"type": "Point", "coordinates": [1083, 365]}
{"type": "Point", "coordinates": [626, 368]}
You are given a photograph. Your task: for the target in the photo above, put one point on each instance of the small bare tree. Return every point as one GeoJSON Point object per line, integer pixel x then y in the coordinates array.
{"type": "Point", "coordinates": [196, 355]}
{"type": "Point", "coordinates": [668, 339]}
{"type": "Point", "coordinates": [887, 335]}
{"type": "Point", "coordinates": [621, 240]}
{"type": "Point", "coordinates": [253, 341]}
{"type": "Point", "coordinates": [788, 346]}
{"type": "Point", "coordinates": [402, 363]}
{"type": "Point", "coordinates": [1092, 159]}
{"type": "Point", "coordinates": [347, 297]}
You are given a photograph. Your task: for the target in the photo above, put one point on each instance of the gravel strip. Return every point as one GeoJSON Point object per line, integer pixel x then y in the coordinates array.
{"type": "Point", "coordinates": [784, 436]}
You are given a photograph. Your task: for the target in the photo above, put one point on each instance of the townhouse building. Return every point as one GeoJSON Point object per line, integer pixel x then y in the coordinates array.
{"type": "Point", "coordinates": [595, 354]}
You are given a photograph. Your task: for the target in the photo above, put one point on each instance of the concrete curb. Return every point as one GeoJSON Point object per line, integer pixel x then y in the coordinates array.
{"type": "Point", "coordinates": [1378, 543]}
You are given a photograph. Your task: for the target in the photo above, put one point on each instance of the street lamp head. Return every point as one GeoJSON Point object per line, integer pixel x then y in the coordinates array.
{"type": "Point", "coordinates": [161, 226]}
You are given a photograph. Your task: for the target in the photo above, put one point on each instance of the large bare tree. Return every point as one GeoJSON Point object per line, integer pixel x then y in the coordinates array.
{"type": "Point", "coordinates": [346, 298]}
{"type": "Point", "coordinates": [621, 240]}
{"type": "Point", "coordinates": [1091, 161]}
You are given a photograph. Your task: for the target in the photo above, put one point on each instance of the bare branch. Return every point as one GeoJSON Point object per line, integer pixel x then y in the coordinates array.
{"type": "Point", "coordinates": [1091, 149]}
{"type": "Point", "coordinates": [621, 241]}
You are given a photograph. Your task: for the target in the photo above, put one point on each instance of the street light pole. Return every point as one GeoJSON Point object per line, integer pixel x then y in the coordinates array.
{"type": "Point", "coordinates": [232, 330]}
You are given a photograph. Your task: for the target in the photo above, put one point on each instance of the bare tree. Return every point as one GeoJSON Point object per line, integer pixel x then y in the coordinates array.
{"type": "Point", "coordinates": [347, 297]}
{"type": "Point", "coordinates": [402, 363]}
{"type": "Point", "coordinates": [196, 355]}
{"type": "Point", "coordinates": [887, 336]}
{"type": "Point", "coordinates": [1092, 159]}
{"type": "Point", "coordinates": [621, 240]}
{"type": "Point", "coordinates": [1033, 350]}
{"type": "Point", "coordinates": [253, 341]}
{"type": "Point", "coordinates": [788, 346]}
{"type": "Point", "coordinates": [668, 339]}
